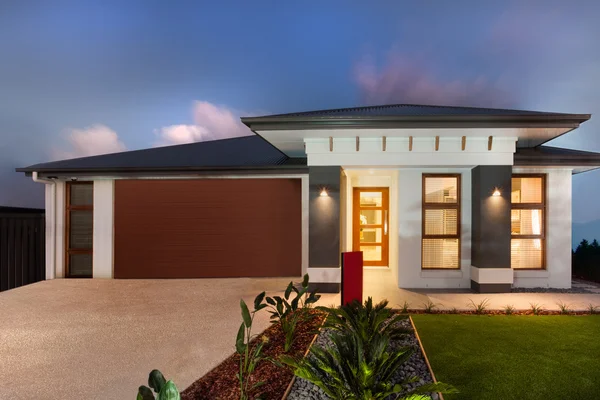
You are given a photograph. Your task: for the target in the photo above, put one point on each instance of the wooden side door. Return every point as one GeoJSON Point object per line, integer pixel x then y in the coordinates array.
{"type": "Point", "coordinates": [370, 224]}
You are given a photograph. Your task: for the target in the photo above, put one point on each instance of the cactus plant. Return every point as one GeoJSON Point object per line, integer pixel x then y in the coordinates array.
{"type": "Point", "coordinates": [165, 390]}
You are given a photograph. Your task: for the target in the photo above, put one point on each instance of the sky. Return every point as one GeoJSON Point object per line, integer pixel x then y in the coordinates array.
{"type": "Point", "coordinates": [79, 78]}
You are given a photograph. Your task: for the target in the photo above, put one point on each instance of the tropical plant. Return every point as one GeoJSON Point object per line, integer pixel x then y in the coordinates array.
{"type": "Point", "coordinates": [564, 308]}
{"type": "Point", "coordinates": [347, 371]}
{"type": "Point", "coordinates": [250, 353]}
{"type": "Point", "coordinates": [429, 307]}
{"type": "Point", "coordinates": [509, 309]}
{"type": "Point", "coordinates": [289, 311]}
{"type": "Point", "coordinates": [404, 309]}
{"type": "Point", "coordinates": [165, 390]}
{"type": "Point", "coordinates": [365, 321]}
{"type": "Point", "coordinates": [480, 307]}
{"type": "Point", "coordinates": [536, 308]}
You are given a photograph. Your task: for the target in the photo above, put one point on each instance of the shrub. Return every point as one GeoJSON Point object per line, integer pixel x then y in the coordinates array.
{"type": "Point", "coordinates": [404, 309]}
{"type": "Point", "coordinates": [480, 307]}
{"type": "Point", "coordinates": [429, 307]}
{"type": "Point", "coordinates": [288, 312]}
{"type": "Point", "coordinates": [592, 309]}
{"type": "Point", "coordinates": [250, 354]}
{"type": "Point", "coordinates": [165, 390]}
{"type": "Point", "coordinates": [509, 309]}
{"type": "Point", "coordinates": [564, 308]}
{"type": "Point", "coordinates": [346, 370]}
{"type": "Point", "coordinates": [365, 321]}
{"type": "Point", "coordinates": [536, 309]}
{"type": "Point", "coordinates": [454, 310]}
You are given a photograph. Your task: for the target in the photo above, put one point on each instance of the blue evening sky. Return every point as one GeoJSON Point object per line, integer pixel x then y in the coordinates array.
{"type": "Point", "coordinates": [78, 76]}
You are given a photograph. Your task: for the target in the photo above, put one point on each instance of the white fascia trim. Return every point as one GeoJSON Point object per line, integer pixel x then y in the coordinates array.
{"type": "Point", "coordinates": [492, 275]}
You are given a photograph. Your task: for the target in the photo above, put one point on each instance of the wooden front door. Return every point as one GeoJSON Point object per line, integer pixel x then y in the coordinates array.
{"type": "Point", "coordinates": [370, 224]}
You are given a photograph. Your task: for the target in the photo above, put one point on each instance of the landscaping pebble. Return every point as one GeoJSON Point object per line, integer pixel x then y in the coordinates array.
{"type": "Point", "coordinates": [415, 366]}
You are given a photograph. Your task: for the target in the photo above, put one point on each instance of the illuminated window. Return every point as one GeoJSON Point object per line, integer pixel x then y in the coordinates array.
{"type": "Point", "coordinates": [441, 222]}
{"type": "Point", "coordinates": [527, 220]}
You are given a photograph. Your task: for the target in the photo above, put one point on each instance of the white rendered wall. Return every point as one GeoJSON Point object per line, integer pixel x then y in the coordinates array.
{"type": "Point", "coordinates": [61, 193]}
{"type": "Point", "coordinates": [558, 233]}
{"type": "Point", "coordinates": [103, 228]}
{"type": "Point", "coordinates": [410, 274]}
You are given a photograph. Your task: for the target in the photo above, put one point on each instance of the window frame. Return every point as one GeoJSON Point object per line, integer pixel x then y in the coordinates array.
{"type": "Point", "coordinates": [531, 206]}
{"type": "Point", "coordinates": [442, 206]}
{"type": "Point", "coordinates": [68, 208]}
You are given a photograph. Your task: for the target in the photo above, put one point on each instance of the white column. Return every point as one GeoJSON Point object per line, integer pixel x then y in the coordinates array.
{"type": "Point", "coordinates": [50, 227]}
{"type": "Point", "coordinates": [103, 228]}
{"type": "Point", "coordinates": [59, 251]}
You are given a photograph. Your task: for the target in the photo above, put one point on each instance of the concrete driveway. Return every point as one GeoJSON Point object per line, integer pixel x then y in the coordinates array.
{"type": "Point", "coordinates": [98, 339]}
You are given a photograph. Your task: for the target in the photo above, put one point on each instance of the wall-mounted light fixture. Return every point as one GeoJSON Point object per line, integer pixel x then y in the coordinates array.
{"type": "Point", "coordinates": [324, 193]}
{"type": "Point", "coordinates": [496, 192]}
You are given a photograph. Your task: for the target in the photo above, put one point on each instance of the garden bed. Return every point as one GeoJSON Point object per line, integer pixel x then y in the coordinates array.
{"type": "Point", "coordinates": [221, 383]}
{"type": "Point", "coordinates": [415, 366]}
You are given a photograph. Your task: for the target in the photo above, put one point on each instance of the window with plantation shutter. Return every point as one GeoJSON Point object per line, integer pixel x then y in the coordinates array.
{"type": "Point", "coordinates": [527, 220]}
{"type": "Point", "coordinates": [441, 222]}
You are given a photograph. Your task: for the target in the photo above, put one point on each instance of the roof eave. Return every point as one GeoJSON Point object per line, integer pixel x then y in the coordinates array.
{"type": "Point", "coordinates": [459, 121]}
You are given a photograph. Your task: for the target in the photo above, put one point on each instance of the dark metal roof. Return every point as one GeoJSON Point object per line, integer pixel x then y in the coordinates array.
{"type": "Point", "coordinates": [246, 152]}
{"type": "Point", "coordinates": [556, 156]}
{"type": "Point", "coordinates": [413, 115]}
{"type": "Point", "coordinates": [411, 109]}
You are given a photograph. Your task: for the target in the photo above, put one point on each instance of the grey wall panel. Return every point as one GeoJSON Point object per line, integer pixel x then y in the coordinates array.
{"type": "Point", "coordinates": [324, 217]}
{"type": "Point", "coordinates": [490, 246]}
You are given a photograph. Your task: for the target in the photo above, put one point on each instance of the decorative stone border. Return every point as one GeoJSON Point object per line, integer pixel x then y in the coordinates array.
{"type": "Point", "coordinates": [291, 384]}
{"type": "Point", "coordinates": [441, 396]}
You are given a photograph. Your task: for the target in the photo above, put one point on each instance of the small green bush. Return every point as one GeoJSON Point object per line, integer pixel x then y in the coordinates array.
{"type": "Point", "coordinates": [509, 309]}
{"type": "Point", "coordinates": [429, 306]}
{"type": "Point", "coordinates": [165, 390]}
{"type": "Point", "coordinates": [480, 307]}
{"type": "Point", "coordinates": [536, 309]}
{"type": "Point", "coordinates": [564, 308]}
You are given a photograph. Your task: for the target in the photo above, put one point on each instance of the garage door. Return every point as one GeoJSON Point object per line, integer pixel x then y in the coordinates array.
{"type": "Point", "coordinates": [207, 228]}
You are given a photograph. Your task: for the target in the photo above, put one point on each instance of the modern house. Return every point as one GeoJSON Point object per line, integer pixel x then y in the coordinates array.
{"type": "Point", "coordinates": [442, 197]}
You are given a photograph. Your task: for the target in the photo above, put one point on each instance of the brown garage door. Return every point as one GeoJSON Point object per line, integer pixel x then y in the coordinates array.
{"type": "Point", "coordinates": [207, 228]}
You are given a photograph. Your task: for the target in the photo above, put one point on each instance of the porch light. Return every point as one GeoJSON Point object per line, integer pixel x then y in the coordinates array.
{"type": "Point", "coordinates": [496, 192]}
{"type": "Point", "coordinates": [324, 193]}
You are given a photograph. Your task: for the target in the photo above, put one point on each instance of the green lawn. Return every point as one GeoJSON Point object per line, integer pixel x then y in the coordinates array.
{"type": "Point", "coordinates": [514, 357]}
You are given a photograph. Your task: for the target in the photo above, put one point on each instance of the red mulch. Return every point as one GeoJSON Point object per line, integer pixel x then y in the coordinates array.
{"type": "Point", "coordinates": [222, 384]}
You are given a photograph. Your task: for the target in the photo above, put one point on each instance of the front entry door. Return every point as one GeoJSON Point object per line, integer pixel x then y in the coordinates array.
{"type": "Point", "coordinates": [370, 224]}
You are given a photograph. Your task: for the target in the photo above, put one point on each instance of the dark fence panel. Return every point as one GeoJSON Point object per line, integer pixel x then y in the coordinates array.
{"type": "Point", "coordinates": [22, 249]}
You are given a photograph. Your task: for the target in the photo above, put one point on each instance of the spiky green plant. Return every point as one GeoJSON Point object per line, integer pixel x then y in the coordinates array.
{"type": "Point", "coordinates": [592, 309]}
{"type": "Point", "coordinates": [404, 309]}
{"type": "Point", "coordinates": [165, 390]}
{"type": "Point", "coordinates": [479, 308]}
{"type": "Point", "coordinates": [429, 306]}
{"type": "Point", "coordinates": [250, 354]}
{"type": "Point", "coordinates": [509, 309]}
{"type": "Point", "coordinates": [454, 310]}
{"type": "Point", "coordinates": [347, 371]}
{"type": "Point", "coordinates": [536, 308]}
{"type": "Point", "coordinates": [365, 320]}
{"type": "Point", "coordinates": [564, 308]}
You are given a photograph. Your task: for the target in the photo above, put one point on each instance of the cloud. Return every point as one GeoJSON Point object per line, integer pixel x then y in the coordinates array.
{"type": "Point", "coordinates": [211, 122]}
{"type": "Point", "coordinates": [407, 79]}
{"type": "Point", "coordinates": [90, 141]}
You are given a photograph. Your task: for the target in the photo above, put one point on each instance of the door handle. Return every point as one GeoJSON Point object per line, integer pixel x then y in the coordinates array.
{"type": "Point", "coordinates": [385, 223]}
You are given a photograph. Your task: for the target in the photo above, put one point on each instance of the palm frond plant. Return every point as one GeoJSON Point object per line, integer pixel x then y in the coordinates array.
{"type": "Point", "coordinates": [404, 309]}
{"type": "Point", "coordinates": [365, 320]}
{"type": "Point", "coordinates": [347, 371]}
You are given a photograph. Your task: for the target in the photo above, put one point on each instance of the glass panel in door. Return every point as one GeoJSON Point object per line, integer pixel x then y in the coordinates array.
{"type": "Point", "coordinates": [371, 225]}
